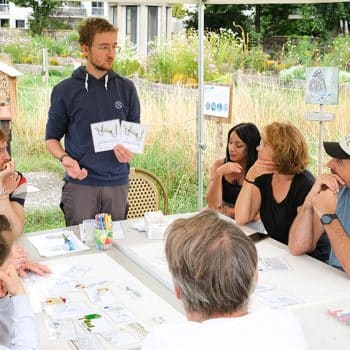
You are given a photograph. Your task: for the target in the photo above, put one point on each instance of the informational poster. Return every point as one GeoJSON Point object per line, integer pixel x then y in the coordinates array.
{"type": "Point", "coordinates": [322, 85]}
{"type": "Point", "coordinates": [217, 101]}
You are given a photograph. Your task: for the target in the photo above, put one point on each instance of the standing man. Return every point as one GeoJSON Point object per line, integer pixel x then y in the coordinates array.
{"type": "Point", "coordinates": [327, 208]}
{"type": "Point", "coordinates": [95, 182]}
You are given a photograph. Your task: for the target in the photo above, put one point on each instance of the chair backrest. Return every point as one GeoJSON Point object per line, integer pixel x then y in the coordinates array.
{"type": "Point", "coordinates": [146, 193]}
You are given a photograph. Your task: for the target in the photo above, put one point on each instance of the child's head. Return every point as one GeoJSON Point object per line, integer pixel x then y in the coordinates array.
{"type": "Point", "coordinates": [6, 239]}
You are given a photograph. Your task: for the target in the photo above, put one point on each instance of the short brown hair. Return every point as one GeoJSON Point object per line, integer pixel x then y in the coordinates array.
{"type": "Point", "coordinates": [6, 239]}
{"type": "Point", "coordinates": [3, 135]}
{"type": "Point", "coordinates": [212, 262]}
{"type": "Point", "coordinates": [88, 28]}
{"type": "Point", "coordinates": [289, 146]}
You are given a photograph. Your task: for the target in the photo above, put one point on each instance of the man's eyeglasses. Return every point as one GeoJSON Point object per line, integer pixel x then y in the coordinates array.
{"type": "Point", "coordinates": [107, 48]}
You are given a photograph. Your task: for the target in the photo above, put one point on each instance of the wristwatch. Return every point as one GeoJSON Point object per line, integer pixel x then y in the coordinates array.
{"type": "Point", "coordinates": [62, 156]}
{"type": "Point", "coordinates": [326, 219]}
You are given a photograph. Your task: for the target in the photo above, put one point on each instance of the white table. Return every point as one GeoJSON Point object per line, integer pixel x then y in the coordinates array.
{"type": "Point", "coordinates": [318, 285]}
{"type": "Point", "coordinates": [148, 308]}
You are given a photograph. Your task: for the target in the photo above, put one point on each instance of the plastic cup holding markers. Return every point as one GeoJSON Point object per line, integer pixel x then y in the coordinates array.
{"type": "Point", "coordinates": [103, 233]}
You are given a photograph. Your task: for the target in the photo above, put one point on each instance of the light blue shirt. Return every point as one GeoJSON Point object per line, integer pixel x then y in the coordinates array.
{"type": "Point", "coordinates": [343, 213]}
{"type": "Point", "coordinates": [24, 333]}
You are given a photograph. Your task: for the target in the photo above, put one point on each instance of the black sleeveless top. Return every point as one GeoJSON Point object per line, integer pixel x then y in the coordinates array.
{"type": "Point", "coordinates": [230, 191]}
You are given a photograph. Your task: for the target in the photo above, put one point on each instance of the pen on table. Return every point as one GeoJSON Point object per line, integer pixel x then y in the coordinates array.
{"type": "Point", "coordinates": [68, 242]}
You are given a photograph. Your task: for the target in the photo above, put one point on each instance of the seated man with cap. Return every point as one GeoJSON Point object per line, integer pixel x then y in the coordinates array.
{"type": "Point", "coordinates": [327, 208]}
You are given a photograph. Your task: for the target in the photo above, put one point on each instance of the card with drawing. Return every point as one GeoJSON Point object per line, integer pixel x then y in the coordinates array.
{"type": "Point", "coordinates": [107, 134]}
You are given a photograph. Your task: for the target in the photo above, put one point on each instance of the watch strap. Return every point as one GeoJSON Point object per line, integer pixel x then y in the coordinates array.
{"type": "Point", "coordinates": [62, 156]}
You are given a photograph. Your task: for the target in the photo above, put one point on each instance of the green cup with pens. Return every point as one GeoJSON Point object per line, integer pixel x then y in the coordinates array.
{"type": "Point", "coordinates": [103, 232]}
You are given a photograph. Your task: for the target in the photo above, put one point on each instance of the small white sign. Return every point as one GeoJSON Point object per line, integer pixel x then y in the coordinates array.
{"type": "Point", "coordinates": [106, 135]}
{"type": "Point", "coordinates": [322, 85]}
{"type": "Point", "coordinates": [320, 116]}
{"type": "Point", "coordinates": [217, 100]}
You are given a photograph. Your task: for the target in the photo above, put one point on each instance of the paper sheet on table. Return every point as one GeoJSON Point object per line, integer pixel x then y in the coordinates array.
{"type": "Point", "coordinates": [53, 244]}
{"type": "Point", "coordinates": [273, 264]}
{"type": "Point", "coordinates": [275, 297]}
{"type": "Point", "coordinates": [118, 232]}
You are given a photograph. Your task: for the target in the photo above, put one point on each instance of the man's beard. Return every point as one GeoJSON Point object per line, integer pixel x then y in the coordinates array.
{"type": "Point", "coordinates": [102, 68]}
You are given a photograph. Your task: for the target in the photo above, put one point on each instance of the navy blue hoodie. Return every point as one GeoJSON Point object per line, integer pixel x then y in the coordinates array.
{"type": "Point", "coordinates": [81, 100]}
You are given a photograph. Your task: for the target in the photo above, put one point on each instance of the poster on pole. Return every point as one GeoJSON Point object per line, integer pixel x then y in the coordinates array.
{"type": "Point", "coordinates": [322, 85]}
{"type": "Point", "coordinates": [217, 102]}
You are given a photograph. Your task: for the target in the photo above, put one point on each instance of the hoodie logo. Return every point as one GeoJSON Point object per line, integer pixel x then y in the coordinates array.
{"type": "Point", "coordinates": [118, 105]}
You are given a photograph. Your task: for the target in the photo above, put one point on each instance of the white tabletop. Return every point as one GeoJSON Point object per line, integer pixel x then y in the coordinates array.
{"type": "Point", "coordinates": [149, 309]}
{"type": "Point", "coordinates": [316, 285]}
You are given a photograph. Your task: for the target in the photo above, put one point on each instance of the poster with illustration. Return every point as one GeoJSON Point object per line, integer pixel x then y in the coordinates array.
{"type": "Point", "coordinates": [322, 85]}
{"type": "Point", "coordinates": [217, 101]}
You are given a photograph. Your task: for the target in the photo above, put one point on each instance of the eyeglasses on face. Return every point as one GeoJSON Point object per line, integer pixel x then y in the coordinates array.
{"type": "Point", "coordinates": [108, 48]}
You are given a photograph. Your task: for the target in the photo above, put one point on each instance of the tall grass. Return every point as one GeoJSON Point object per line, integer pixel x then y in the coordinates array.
{"type": "Point", "coordinates": [171, 145]}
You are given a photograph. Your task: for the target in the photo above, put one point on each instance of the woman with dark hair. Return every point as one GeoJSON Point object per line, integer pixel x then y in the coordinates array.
{"type": "Point", "coordinates": [227, 174]}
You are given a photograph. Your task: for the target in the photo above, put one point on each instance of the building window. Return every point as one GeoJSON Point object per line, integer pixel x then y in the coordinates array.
{"type": "Point", "coordinates": [152, 23]}
{"type": "Point", "coordinates": [4, 23]}
{"type": "Point", "coordinates": [19, 23]}
{"type": "Point", "coordinates": [115, 15]}
{"type": "Point", "coordinates": [4, 6]}
{"type": "Point", "coordinates": [131, 24]}
{"type": "Point", "coordinates": [97, 8]}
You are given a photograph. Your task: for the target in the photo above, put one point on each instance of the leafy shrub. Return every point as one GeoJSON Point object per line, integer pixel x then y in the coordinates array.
{"type": "Point", "coordinates": [127, 62]}
{"type": "Point", "coordinates": [300, 51]}
{"type": "Point", "coordinates": [295, 72]}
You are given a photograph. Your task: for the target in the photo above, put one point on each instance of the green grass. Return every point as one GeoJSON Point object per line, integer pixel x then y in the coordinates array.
{"type": "Point", "coordinates": [37, 220]}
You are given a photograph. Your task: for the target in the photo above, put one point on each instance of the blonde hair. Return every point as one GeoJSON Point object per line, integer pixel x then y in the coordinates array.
{"type": "Point", "coordinates": [289, 146]}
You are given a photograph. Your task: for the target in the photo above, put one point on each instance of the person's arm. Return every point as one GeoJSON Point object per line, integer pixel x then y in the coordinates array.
{"type": "Point", "coordinates": [70, 165]}
{"type": "Point", "coordinates": [307, 229]}
{"type": "Point", "coordinates": [326, 203]}
{"type": "Point", "coordinates": [249, 199]}
{"type": "Point", "coordinates": [214, 194]}
{"type": "Point", "coordinates": [247, 204]}
{"type": "Point", "coordinates": [134, 105]}
{"type": "Point", "coordinates": [218, 170]}
{"type": "Point", "coordinates": [14, 211]}
{"type": "Point", "coordinates": [24, 334]}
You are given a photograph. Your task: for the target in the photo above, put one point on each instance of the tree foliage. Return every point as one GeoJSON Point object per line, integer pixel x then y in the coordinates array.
{"type": "Point", "coordinates": [42, 11]}
{"type": "Point", "coordinates": [268, 20]}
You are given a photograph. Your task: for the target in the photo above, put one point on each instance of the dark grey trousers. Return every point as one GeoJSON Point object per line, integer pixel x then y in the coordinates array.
{"type": "Point", "coordinates": [80, 202]}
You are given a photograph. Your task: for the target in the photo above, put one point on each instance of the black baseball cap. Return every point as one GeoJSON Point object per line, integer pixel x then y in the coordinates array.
{"type": "Point", "coordinates": [338, 150]}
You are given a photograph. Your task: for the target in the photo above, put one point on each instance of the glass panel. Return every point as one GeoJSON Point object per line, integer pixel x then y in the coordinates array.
{"type": "Point", "coordinates": [131, 24]}
{"type": "Point", "coordinates": [152, 27]}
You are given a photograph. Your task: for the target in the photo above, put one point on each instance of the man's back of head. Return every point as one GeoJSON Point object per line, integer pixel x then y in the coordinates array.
{"type": "Point", "coordinates": [213, 265]}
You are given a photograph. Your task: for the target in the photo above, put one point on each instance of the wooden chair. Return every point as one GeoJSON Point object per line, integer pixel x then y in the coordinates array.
{"type": "Point", "coordinates": [146, 193]}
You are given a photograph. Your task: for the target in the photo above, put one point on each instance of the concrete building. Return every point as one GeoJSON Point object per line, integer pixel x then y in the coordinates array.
{"type": "Point", "coordinates": [139, 22]}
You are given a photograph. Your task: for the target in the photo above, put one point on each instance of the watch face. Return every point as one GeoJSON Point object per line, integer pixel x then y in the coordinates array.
{"type": "Point", "coordinates": [327, 218]}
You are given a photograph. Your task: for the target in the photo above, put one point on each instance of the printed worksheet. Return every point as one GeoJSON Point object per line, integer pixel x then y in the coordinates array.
{"type": "Point", "coordinates": [106, 135]}
{"type": "Point", "coordinates": [57, 243]}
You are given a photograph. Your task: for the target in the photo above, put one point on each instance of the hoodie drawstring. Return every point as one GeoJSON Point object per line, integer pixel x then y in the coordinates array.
{"type": "Point", "coordinates": [86, 82]}
{"type": "Point", "coordinates": [87, 78]}
{"type": "Point", "coordinates": [106, 81]}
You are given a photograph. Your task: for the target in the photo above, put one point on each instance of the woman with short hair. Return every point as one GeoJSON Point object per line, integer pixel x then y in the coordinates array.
{"type": "Point", "coordinates": [278, 182]}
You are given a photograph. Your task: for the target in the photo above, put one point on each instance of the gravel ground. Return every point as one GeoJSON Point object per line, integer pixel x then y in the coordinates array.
{"type": "Point", "coordinates": [44, 190]}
